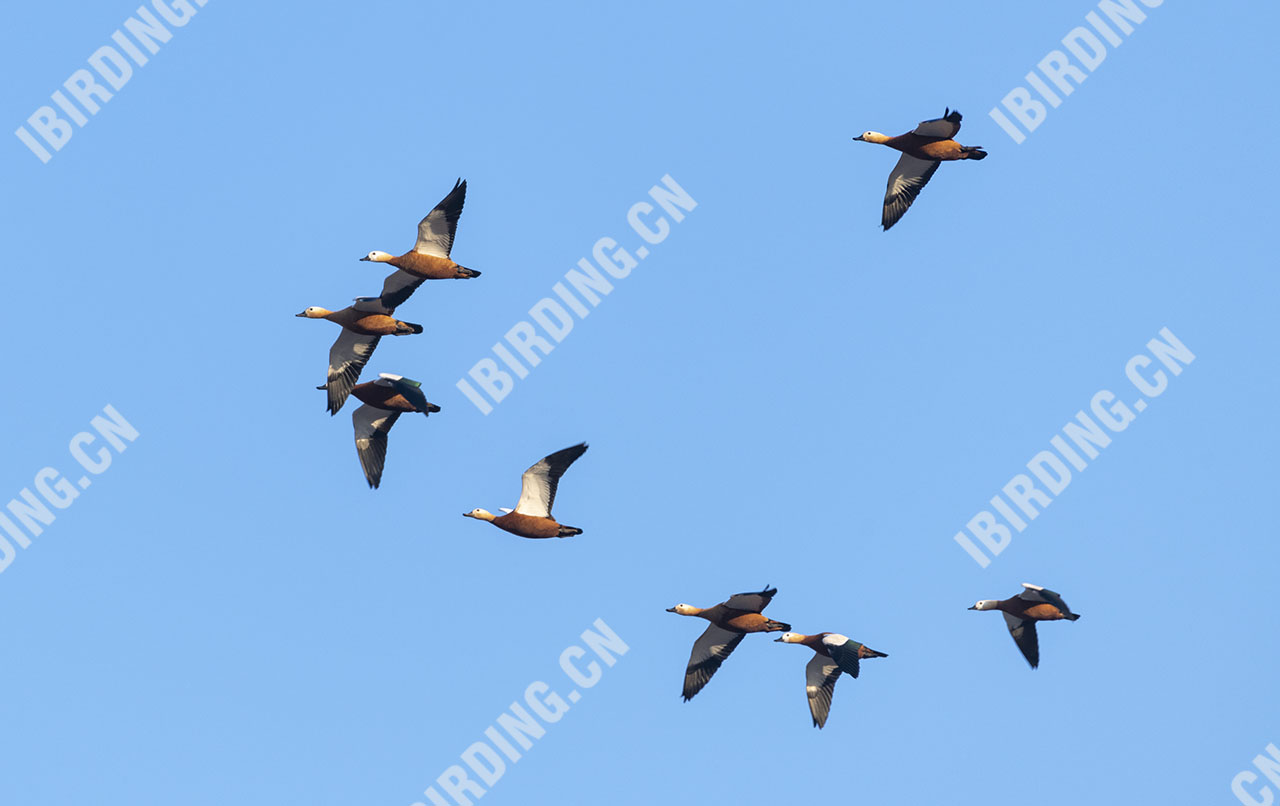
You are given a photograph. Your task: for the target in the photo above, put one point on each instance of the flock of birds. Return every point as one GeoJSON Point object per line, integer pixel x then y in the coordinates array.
{"type": "Point", "coordinates": [923, 149]}
{"type": "Point", "coordinates": [834, 653]}
{"type": "Point", "coordinates": [370, 318]}
{"type": "Point", "coordinates": [366, 321]}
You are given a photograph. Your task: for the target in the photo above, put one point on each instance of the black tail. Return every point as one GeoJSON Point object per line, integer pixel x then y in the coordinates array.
{"type": "Point", "coordinates": [412, 328]}
{"type": "Point", "coordinates": [776, 626]}
{"type": "Point", "coordinates": [871, 653]}
{"type": "Point", "coordinates": [1073, 616]}
{"type": "Point", "coordinates": [466, 273]}
{"type": "Point", "coordinates": [569, 531]}
{"type": "Point", "coordinates": [974, 153]}
{"type": "Point", "coordinates": [431, 408]}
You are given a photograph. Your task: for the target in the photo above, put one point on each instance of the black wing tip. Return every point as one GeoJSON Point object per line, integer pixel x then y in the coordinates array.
{"type": "Point", "coordinates": [567, 456]}
{"type": "Point", "coordinates": [952, 116]}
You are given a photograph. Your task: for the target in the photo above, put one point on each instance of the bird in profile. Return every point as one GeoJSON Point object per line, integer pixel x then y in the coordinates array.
{"type": "Point", "coordinates": [731, 621]}
{"type": "Point", "coordinates": [363, 326]}
{"type": "Point", "coordinates": [532, 515]}
{"type": "Point", "coordinates": [384, 401]}
{"type": "Point", "coordinates": [833, 653]}
{"type": "Point", "coordinates": [1023, 611]}
{"type": "Point", "coordinates": [429, 259]}
{"type": "Point", "coordinates": [923, 149]}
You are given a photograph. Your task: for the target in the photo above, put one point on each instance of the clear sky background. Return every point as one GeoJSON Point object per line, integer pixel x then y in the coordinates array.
{"type": "Point", "coordinates": [781, 393]}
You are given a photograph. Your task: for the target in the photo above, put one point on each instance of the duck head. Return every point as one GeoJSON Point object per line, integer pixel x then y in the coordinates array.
{"type": "Point", "coordinates": [872, 137]}
{"type": "Point", "coordinates": [685, 610]}
{"type": "Point", "coordinates": [789, 638]}
{"type": "Point", "coordinates": [986, 604]}
{"type": "Point", "coordinates": [314, 312]}
{"type": "Point", "coordinates": [378, 257]}
{"type": "Point", "coordinates": [479, 514]}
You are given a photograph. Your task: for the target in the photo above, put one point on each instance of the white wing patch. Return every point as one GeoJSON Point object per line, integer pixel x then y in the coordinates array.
{"type": "Point", "coordinates": [535, 492]}
{"type": "Point", "coordinates": [435, 231]}
{"type": "Point", "coordinates": [820, 684]}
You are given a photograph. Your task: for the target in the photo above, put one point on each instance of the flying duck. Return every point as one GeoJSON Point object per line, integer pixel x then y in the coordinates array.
{"type": "Point", "coordinates": [384, 401]}
{"type": "Point", "coordinates": [429, 258]}
{"type": "Point", "coordinates": [833, 653]}
{"type": "Point", "coordinates": [1023, 611]}
{"type": "Point", "coordinates": [922, 150]}
{"type": "Point", "coordinates": [363, 325]}
{"type": "Point", "coordinates": [532, 515]}
{"type": "Point", "coordinates": [730, 621]}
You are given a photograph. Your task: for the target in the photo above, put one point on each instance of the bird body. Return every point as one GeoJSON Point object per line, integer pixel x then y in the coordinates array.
{"type": "Point", "coordinates": [428, 267]}
{"type": "Point", "coordinates": [384, 401]}
{"type": "Point", "coordinates": [833, 653]}
{"type": "Point", "coordinates": [429, 259]}
{"type": "Point", "coordinates": [1021, 613]}
{"type": "Point", "coordinates": [731, 621]}
{"type": "Point", "coordinates": [923, 150]}
{"type": "Point", "coordinates": [532, 516]}
{"type": "Point", "coordinates": [364, 323]}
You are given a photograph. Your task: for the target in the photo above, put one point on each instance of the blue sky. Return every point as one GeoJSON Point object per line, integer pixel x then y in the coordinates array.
{"type": "Point", "coordinates": [780, 393]}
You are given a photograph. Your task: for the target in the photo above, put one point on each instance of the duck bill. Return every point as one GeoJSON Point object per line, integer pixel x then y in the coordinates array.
{"type": "Point", "coordinates": [303, 314]}
{"type": "Point", "coordinates": [859, 137]}
{"type": "Point", "coordinates": [975, 607]}
{"type": "Point", "coordinates": [365, 258]}
{"type": "Point", "coordinates": [671, 610]}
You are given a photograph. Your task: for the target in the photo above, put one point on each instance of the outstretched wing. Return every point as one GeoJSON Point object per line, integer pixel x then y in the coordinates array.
{"type": "Point", "coordinates": [709, 651]}
{"type": "Point", "coordinates": [820, 684]}
{"type": "Point", "coordinates": [943, 128]}
{"type": "Point", "coordinates": [397, 288]}
{"type": "Point", "coordinates": [1024, 635]}
{"type": "Point", "coordinates": [751, 602]}
{"type": "Point", "coordinates": [909, 177]}
{"type": "Point", "coordinates": [347, 358]}
{"type": "Point", "coordinates": [372, 424]}
{"type": "Point", "coordinates": [538, 484]}
{"type": "Point", "coordinates": [435, 232]}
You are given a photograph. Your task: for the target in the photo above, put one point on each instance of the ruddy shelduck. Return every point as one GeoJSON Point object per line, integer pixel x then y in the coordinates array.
{"type": "Point", "coordinates": [532, 515]}
{"type": "Point", "coordinates": [384, 401]}
{"type": "Point", "coordinates": [923, 149]}
{"type": "Point", "coordinates": [833, 653]}
{"type": "Point", "coordinates": [363, 326]}
{"type": "Point", "coordinates": [1023, 611]}
{"type": "Point", "coordinates": [429, 259]}
{"type": "Point", "coordinates": [731, 621]}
